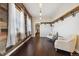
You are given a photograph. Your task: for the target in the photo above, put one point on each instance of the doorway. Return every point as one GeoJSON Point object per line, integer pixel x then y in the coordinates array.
{"type": "Point", "coordinates": [37, 30]}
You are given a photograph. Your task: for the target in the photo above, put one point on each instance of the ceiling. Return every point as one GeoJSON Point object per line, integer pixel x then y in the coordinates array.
{"type": "Point", "coordinates": [49, 10]}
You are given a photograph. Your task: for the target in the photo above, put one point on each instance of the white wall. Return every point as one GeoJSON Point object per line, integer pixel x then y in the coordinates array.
{"type": "Point", "coordinates": [45, 30]}
{"type": "Point", "coordinates": [67, 27]}
{"type": "Point", "coordinates": [42, 27]}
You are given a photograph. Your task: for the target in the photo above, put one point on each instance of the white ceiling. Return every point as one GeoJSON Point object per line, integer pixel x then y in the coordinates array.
{"type": "Point", "coordinates": [49, 10]}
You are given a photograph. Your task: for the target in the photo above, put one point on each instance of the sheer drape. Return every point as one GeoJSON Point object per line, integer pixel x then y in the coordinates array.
{"type": "Point", "coordinates": [11, 25]}
{"type": "Point", "coordinates": [28, 26]}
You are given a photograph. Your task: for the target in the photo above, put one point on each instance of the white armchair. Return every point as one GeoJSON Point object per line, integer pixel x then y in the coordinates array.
{"type": "Point", "coordinates": [67, 44]}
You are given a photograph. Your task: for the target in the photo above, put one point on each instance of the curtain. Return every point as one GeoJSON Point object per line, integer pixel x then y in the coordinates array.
{"type": "Point", "coordinates": [28, 25]}
{"type": "Point", "coordinates": [11, 26]}
{"type": "Point", "coordinates": [22, 25]}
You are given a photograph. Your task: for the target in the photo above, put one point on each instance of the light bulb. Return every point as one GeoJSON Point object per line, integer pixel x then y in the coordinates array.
{"type": "Point", "coordinates": [40, 5]}
{"type": "Point", "coordinates": [40, 14]}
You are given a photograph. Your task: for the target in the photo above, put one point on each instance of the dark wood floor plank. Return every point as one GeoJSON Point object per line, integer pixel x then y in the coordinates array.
{"type": "Point", "coordinates": [40, 47]}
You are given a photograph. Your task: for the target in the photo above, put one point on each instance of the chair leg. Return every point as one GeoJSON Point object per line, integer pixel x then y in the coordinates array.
{"type": "Point", "coordinates": [55, 52]}
{"type": "Point", "coordinates": [71, 53]}
{"type": "Point", "coordinates": [55, 49]}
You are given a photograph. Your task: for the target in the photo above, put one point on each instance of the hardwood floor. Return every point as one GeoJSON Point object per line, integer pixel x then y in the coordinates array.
{"type": "Point", "coordinates": [40, 47]}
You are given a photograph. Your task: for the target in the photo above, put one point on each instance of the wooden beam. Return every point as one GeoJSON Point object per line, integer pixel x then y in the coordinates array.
{"type": "Point", "coordinates": [69, 13]}
{"type": "Point", "coordinates": [75, 10]}
{"type": "Point", "coordinates": [20, 6]}
{"type": "Point", "coordinates": [3, 9]}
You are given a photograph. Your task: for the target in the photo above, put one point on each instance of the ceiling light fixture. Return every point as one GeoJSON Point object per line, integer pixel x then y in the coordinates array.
{"type": "Point", "coordinates": [40, 5]}
{"type": "Point", "coordinates": [73, 14]}
{"type": "Point", "coordinates": [40, 13]}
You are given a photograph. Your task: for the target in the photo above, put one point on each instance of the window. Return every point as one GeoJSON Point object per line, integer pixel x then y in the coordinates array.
{"type": "Point", "coordinates": [20, 25]}
{"type": "Point", "coordinates": [28, 26]}
{"type": "Point", "coordinates": [16, 26]}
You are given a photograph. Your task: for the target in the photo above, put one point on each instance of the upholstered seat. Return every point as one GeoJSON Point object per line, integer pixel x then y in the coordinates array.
{"type": "Point", "coordinates": [66, 44]}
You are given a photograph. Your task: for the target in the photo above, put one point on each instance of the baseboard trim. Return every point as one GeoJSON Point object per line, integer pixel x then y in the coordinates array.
{"type": "Point", "coordinates": [8, 54]}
